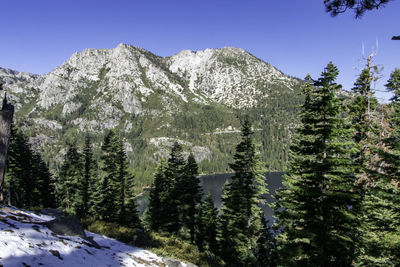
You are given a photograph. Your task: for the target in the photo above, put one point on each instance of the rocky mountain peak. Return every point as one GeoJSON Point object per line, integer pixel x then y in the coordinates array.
{"type": "Point", "coordinates": [9, 76]}
{"type": "Point", "coordinates": [188, 97]}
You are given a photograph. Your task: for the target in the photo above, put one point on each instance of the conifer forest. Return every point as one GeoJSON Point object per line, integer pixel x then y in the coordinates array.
{"type": "Point", "coordinates": [137, 176]}
{"type": "Point", "coordinates": [338, 206]}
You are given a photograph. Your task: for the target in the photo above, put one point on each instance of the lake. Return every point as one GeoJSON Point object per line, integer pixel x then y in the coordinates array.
{"type": "Point", "coordinates": [214, 183]}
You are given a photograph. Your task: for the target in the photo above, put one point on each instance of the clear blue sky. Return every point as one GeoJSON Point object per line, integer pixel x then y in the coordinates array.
{"type": "Point", "coordinates": [297, 37]}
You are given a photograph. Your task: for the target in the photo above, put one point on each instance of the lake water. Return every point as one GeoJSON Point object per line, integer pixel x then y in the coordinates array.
{"type": "Point", "coordinates": [213, 184]}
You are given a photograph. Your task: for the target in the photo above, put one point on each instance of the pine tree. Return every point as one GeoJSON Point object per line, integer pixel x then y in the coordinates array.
{"type": "Point", "coordinates": [206, 234]}
{"type": "Point", "coordinates": [28, 178]}
{"type": "Point", "coordinates": [314, 210]}
{"type": "Point", "coordinates": [18, 173]}
{"type": "Point", "coordinates": [174, 172]}
{"type": "Point", "coordinates": [240, 213]}
{"type": "Point", "coordinates": [266, 251]}
{"type": "Point", "coordinates": [122, 174]}
{"type": "Point", "coordinates": [188, 190]}
{"type": "Point", "coordinates": [107, 198]}
{"type": "Point", "coordinates": [131, 217]}
{"type": "Point", "coordinates": [89, 168]}
{"type": "Point", "coordinates": [392, 160]}
{"type": "Point", "coordinates": [44, 191]}
{"type": "Point", "coordinates": [175, 194]}
{"type": "Point", "coordinates": [393, 86]}
{"type": "Point", "coordinates": [380, 243]}
{"type": "Point", "coordinates": [158, 216]}
{"type": "Point", "coordinates": [69, 190]}
{"type": "Point", "coordinates": [375, 210]}
{"type": "Point", "coordinates": [362, 113]}
{"type": "Point", "coordinates": [113, 198]}
{"type": "Point", "coordinates": [128, 214]}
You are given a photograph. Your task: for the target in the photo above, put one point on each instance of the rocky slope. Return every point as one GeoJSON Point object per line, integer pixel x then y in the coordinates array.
{"type": "Point", "coordinates": [25, 240]}
{"type": "Point", "coordinates": [192, 97]}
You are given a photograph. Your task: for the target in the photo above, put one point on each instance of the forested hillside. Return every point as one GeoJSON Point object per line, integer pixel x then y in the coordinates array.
{"type": "Point", "coordinates": [194, 98]}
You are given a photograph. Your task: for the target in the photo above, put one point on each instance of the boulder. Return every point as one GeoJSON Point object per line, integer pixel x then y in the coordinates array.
{"type": "Point", "coordinates": [67, 225]}
{"type": "Point", "coordinates": [175, 263]}
{"type": "Point", "coordinates": [70, 225]}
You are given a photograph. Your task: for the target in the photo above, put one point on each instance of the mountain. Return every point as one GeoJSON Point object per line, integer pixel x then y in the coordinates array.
{"type": "Point", "coordinates": [25, 240]}
{"type": "Point", "coordinates": [195, 98]}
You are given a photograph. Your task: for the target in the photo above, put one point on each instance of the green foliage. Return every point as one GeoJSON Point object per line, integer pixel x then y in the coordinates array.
{"type": "Point", "coordinates": [171, 246]}
{"type": "Point", "coordinates": [89, 176]}
{"type": "Point", "coordinates": [115, 230]}
{"type": "Point", "coordinates": [315, 210]}
{"type": "Point", "coordinates": [158, 195]}
{"type": "Point", "coordinates": [206, 226]}
{"type": "Point", "coordinates": [130, 216]}
{"type": "Point", "coordinates": [69, 186]}
{"type": "Point", "coordinates": [380, 217]}
{"type": "Point", "coordinates": [107, 203]}
{"type": "Point", "coordinates": [173, 173]}
{"type": "Point", "coordinates": [28, 180]}
{"type": "Point", "coordinates": [275, 117]}
{"type": "Point", "coordinates": [240, 214]}
{"type": "Point", "coordinates": [188, 192]}
{"type": "Point", "coordinates": [377, 218]}
{"type": "Point", "coordinates": [113, 196]}
{"type": "Point", "coordinates": [175, 194]}
{"type": "Point", "coordinates": [202, 125]}
{"type": "Point", "coordinates": [393, 86]}
{"type": "Point", "coordinates": [266, 250]}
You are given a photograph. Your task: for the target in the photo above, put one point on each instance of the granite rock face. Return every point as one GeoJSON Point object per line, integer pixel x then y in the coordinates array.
{"type": "Point", "coordinates": [126, 76]}
{"type": "Point", "coordinates": [187, 97]}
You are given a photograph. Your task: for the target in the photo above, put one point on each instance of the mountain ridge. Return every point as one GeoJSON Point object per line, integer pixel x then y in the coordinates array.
{"type": "Point", "coordinates": [186, 97]}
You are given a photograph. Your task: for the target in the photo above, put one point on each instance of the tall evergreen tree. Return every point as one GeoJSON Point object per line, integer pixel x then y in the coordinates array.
{"type": "Point", "coordinates": [122, 174]}
{"type": "Point", "coordinates": [175, 194]}
{"type": "Point", "coordinates": [89, 169]}
{"type": "Point", "coordinates": [206, 234]}
{"type": "Point", "coordinates": [107, 198]}
{"type": "Point", "coordinates": [380, 243]}
{"type": "Point", "coordinates": [69, 184]}
{"type": "Point", "coordinates": [362, 115]}
{"type": "Point", "coordinates": [113, 200]}
{"type": "Point", "coordinates": [27, 178]}
{"type": "Point", "coordinates": [174, 172]}
{"type": "Point", "coordinates": [314, 211]}
{"type": "Point", "coordinates": [131, 216]}
{"type": "Point", "coordinates": [43, 194]}
{"type": "Point", "coordinates": [240, 213]}
{"type": "Point", "coordinates": [128, 214]}
{"type": "Point", "coordinates": [376, 191]}
{"type": "Point", "coordinates": [158, 216]}
{"type": "Point", "coordinates": [266, 251]}
{"type": "Point", "coordinates": [188, 191]}
{"type": "Point", "coordinates": [18, 174]}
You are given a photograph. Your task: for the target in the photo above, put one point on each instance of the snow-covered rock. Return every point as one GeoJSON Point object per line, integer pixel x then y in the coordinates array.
{"type": "Point", "coordinates": [26, 241]}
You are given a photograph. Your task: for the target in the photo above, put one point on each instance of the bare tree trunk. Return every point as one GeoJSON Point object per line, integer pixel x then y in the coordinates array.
{"type": "Point", "coordinates": [6, 117]}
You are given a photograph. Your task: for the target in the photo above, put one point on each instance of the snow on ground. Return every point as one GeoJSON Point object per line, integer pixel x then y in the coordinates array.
{"type": "Point", "coordinates": [26, 241]}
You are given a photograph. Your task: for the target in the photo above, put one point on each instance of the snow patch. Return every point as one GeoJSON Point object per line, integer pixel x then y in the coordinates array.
{"type": "Point", "coordinates": [26, 241]}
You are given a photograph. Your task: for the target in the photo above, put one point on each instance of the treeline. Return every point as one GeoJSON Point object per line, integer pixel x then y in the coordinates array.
{"type": "Point", "coordinates": [103, 190]}
{"type": "Point", "coordinates": [340, 202]}
{"type": "Point", "coordinates": [239, 236]}
{"type": "Point", "coordinates": [339, 205]}
{"type": "Point", "coordinates": [83, 186]}
{"type": "Point", "coordinates": [28, 182]}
